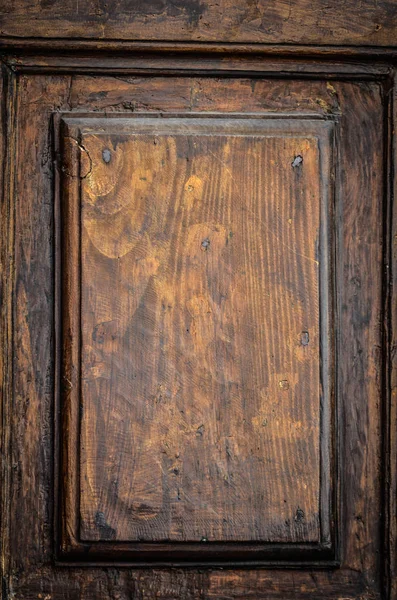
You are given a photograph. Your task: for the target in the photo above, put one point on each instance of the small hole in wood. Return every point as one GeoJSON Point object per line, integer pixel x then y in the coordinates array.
{"type": "Point", "coordinates": [205, 244]}
{"type": "Point", "coordinates": [106, 155]}
{"type": "Point", "coordinates": [297, 162]}
{"type": "Point", "coordinates": [305, 338]}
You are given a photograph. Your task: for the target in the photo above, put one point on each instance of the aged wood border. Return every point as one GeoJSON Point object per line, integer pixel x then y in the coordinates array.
{"type": "Point", "coordinates": [8, 132]}
{"type": "Point", "coordinates": [15, 45]}
{"type": "Point", "coordinates": [373, 63]}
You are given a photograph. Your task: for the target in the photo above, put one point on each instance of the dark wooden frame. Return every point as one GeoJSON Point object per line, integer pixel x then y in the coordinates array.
{"type": "Point", "coordinates": [72, 547]}
{"type": "Point", "coordinates": [351, 64]}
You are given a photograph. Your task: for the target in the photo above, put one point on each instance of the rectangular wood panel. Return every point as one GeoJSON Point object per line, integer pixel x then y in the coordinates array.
{"type": "Point", "coordinates": [197, 296]}
{"type": "Point", "coordinates": [48, 322]}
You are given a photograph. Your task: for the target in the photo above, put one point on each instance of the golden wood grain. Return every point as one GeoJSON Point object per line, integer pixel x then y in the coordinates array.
{"type": "Point", "coordinates": [200, 315]}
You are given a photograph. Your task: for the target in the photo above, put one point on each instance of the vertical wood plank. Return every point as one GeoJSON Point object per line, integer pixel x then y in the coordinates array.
{"type": "Point", "coordinates": [8, 95]}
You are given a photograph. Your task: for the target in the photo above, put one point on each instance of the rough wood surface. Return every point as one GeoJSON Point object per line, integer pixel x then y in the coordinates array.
{"type": "Point", "coordinates": [272, 22]}
{"type": "Point", "coordinates": [200, 314]}
{"type": "Point", "coordinates": [359, 181]}
{"type": "Point", "coordinates": [391, 367]}
{"type": "Point", "coordinates": [7, 140]}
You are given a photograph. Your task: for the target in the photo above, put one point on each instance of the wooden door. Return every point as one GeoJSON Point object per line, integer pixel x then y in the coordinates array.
{"type": "Point", "coordinates": [198, 313]}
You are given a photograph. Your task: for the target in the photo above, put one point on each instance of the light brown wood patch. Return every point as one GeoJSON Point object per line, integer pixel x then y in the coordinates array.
{"type": "Point", "coordinates": [204, 261]}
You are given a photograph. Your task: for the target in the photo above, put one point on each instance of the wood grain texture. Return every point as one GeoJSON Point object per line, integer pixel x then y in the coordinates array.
{"type": "Point", "coordinates": [200, 343]}
{"type": "Point", "coordinates": [174, 59]}
{"type": "Point", "coordinates": [275, 22]}
{"type": "Point", "coordinates": [201, 94]}
{"type": "Point", "coordinates": [7, 144]}
{"type": "Point", "coordinates": [390, 565]}
{"type": "Point", "coordinates": [31, 405]}
{"type": "Point", "coordinates": [359, 180]}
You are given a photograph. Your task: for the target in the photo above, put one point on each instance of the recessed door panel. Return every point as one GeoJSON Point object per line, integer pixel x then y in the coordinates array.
{"type": "Point", "coordinates": [197, 293]}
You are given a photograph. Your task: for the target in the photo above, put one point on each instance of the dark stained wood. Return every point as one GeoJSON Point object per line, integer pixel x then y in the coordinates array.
{"type": "Point", "coordinates": [30, 562]}
{"type": "Point", "coordinates": [101, 472]}
{"type": "Point", "coordinates": [163, 59]}
{"type": "Point", "coordinates": [275, 22]}
{"type": "Point", "coordinates": [391, 372]}
{"type": "Point", "coordinates": [31, 405]}
{"type": "Point", "coordinates": [105, 49]}
{"type": "Point", "coordinates": [7, 142]}
{"type": "Point", "coordinates": [360, 428]}
{"type": "Point", "coordinates": [134, 94]}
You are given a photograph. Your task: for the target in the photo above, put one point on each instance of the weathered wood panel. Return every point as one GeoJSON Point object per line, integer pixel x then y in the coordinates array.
{"type": "Point", "coordinates": [204, 245]}
{"type": "Point", "coordinates": [360, 221]}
